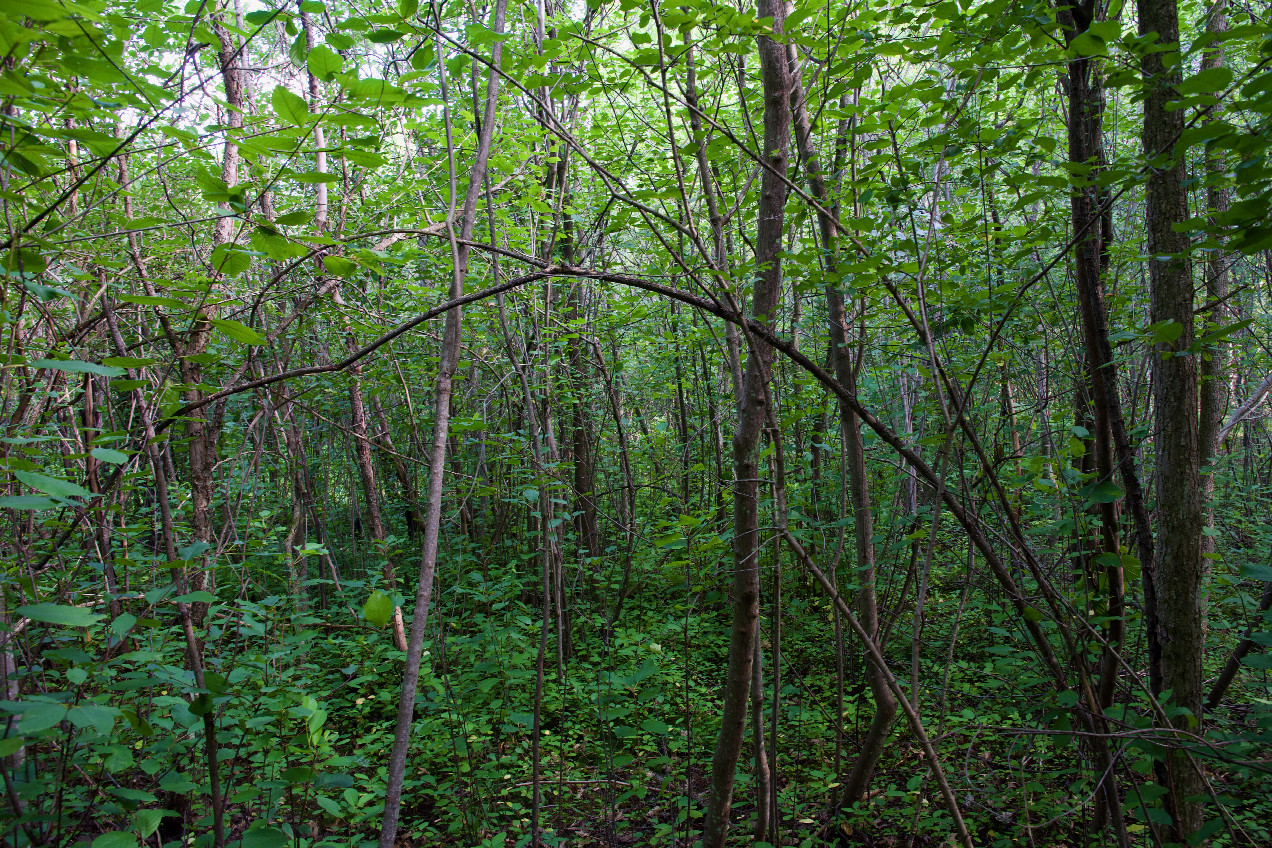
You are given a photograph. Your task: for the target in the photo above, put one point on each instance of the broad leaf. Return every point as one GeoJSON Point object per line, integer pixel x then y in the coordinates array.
{"type": "Point", "coordinates": [378, 608]}
{"type": "Point", "coordinates": [291, 108]}
{"type": "Point", "coordinates": [54, 486]}
{"type": "Point", "coordinates": [114, 457]}
{"type": "Point", "coordinates": [60, 614]}
{"type": "Point", "coordinates": [72, 366]}
{"type": "Point", "coordinates": [238, 332]}
{"type": "Point", "coordinates": [115, 839]}
{"type": "Point", "coordinates": [324, 62]}
{"type": "Point", "coordinates": [265, 837]}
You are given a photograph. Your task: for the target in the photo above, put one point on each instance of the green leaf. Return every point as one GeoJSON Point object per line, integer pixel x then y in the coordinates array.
{"type": "Point", "coordinates": [1032, 615]}
{"type": "Point", "coordinates": [292, 219]}
{"type": "Point", "coordinates": [1165, 332]}
{"type": "Point", "coordinates": [114, 457]}
{"type": "Point", "coordinates": [1105, 491]}
{"type": "Point", "coordinates": [229, 260]}
{"type": "Point", "coordinates": [378, 608]}
{"type": "Point", "coordinates": [383, 36]}
{"type": "Point", "coordinates": [11, 745]}
{"type": "Point", "coordinates": [339, 266]}
{"type": "Point", "coordinates": [152, 300]}
{"type": "Point", "coordinates": [115, 839]}
{"type": "Point", "coordinates": [40, 715]}
{"type": "Point", "coordinates": [28, 502]}
{"type": "Point", "coordinates": [238, 332]}
{"type": "Point", "coordinates": [265, 837]}
{"type": "Point", "coordinates": [1209, 81]}
{"type": "Point", "coordinates": [291, 108]}
{"type": "Point", "coordinates": [36, 10]}
{"type": "Point", "coordinates": [1089, 44]}
{"type": "Point", "coordinates": [45, 293]}
{"type": "Point", "coordinates": [1223, 332]}
{"type": "Point", "coordinates": [331, 807]}
{"type": "Point", "coordinates": [101, 719]}
{"type": "Point", "coordinates": [146, 822]}
{"type": "Point", "coordinates": [324, 63]}
{"type": "Point", "coordinates": [199, 597]}
{"type": "Point", "coordinates": [73, 366]}
{"type": "Point", "coordinates": [1257, 571]}
{"type": "Point", "coordinates": [53, 486]}
{"type": "Point", "coordinates": [1259, 661]}
{"type": "Point", "coordinates": [175, 781]}
{"type": "Point", "coordinates": [60, 614]}
{"type": "Point", "coordinates": [298, 774]}
{"type": "Point", "coordinates": [201, 705]}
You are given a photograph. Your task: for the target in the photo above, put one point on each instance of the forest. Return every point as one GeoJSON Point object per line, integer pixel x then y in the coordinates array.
{"type": "Point", "coordinates": [623, 423]}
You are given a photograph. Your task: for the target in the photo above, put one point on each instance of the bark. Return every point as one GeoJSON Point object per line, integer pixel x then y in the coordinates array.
{"type": "Point", "coordinates": [1178, 566]}
{"type": "Point", "coordinates": [751, 417]}
{"type": "Point", "coordinates": [763, 774]}
{"type": "Point", "coordinates": [1251, 403]}
{"type": "Point", "coordinates": [581, 430]}
{"type": "Point", "coordinates": [360, 426]}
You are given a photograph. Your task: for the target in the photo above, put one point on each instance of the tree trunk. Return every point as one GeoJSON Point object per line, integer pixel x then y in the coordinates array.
{"type": "Point", "coordinates": [859, 777]}
{"type": "Point", "coordinates": [751, 417]}
{"type": "Point", "coordinates": [202, 428]}
{"type": "Point", "coordinates": [1214, 362]}
{"type": "Point", "coordinates": [1178, 568]}
{"type": "Point", "coordinates": [1086, 108]}
{"type": "Point", "coordinates": [437, 462]}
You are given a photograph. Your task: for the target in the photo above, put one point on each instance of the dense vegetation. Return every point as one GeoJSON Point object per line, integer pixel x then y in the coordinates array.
{"type": "Point", "coordinates": [623, 423]}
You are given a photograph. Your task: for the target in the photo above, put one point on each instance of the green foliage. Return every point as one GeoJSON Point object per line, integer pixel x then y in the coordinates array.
{"type": "Point", "coordinates": [164, 242]}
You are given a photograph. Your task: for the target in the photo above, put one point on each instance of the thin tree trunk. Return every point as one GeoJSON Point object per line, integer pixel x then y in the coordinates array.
{"type": "Point", "coordinates": [751, 416]}
{"type": "Point", "coordinates": [194, 648]}
{"type": "Point", "coordinates": [581, 435]}
{"type": "Point", "coordinates": [202, 427]}
{"type": "Point", "coordinates": [1086, 106]}
{"type": "Point", "coordinates": [414, 520]}
{"type": "Point", "coordinates": [1214, 362]}
{"type": "Point", "coordinates": [320, 141]}
{"type": "Point", "coordinates": [437, 464]}
{"type": "Point", "coordinates": [763, 776]}
{"type": "Point", "coordinates": [875, 657]}
{"type": "Point", "coordinates": [858, 779]}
